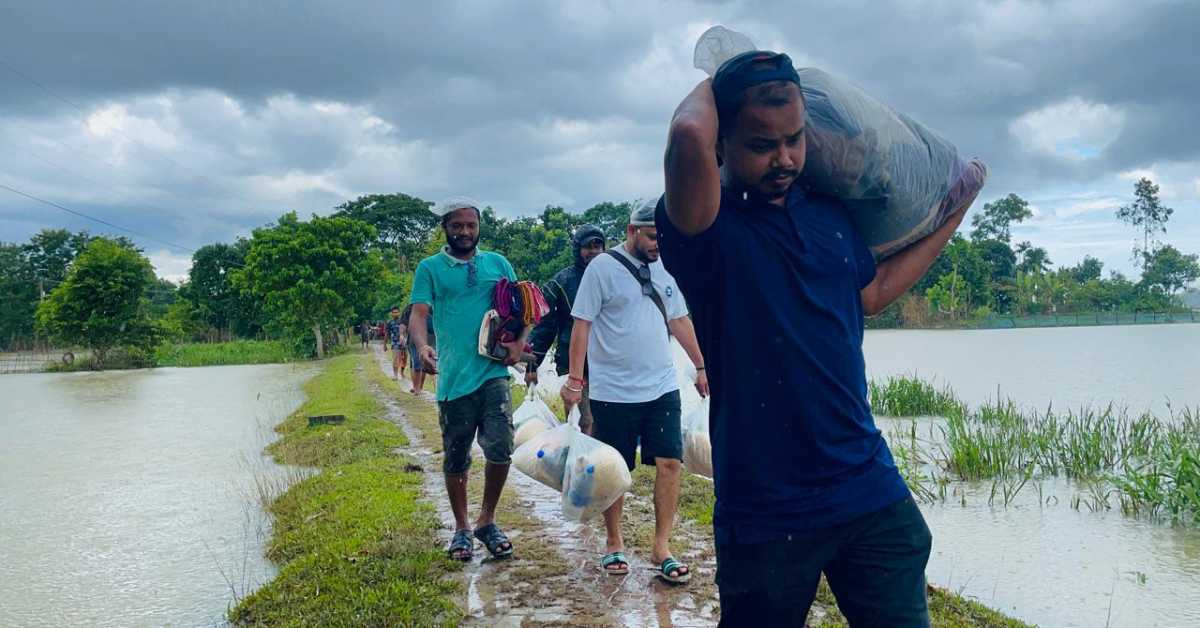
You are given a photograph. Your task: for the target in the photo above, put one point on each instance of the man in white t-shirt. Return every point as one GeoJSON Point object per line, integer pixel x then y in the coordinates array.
{"type": "Point", "coordinates": [625, 312]}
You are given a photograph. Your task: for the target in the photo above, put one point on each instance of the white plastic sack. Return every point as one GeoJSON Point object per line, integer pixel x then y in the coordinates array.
{"type": "Point", "coordinates": [544, 456]}
{"type": "Point", "coordinates": [537, 419]}
{"type": "Point", "coordinates": [549, 382]}
{"type": "Point", "coordinates": [531, 408]}
{"type": "Point", "coordinates": [685, 374]}
{"type": "Point", "coordinates": [697, 446]}
{"type": "Point", "coordinates": [596, 476]}
{"type": "Point", "coordinates": [899, 179]}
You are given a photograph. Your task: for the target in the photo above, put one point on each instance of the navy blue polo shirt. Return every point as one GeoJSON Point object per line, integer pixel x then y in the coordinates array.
{"type": "Point", "coordinates": [775, 297]}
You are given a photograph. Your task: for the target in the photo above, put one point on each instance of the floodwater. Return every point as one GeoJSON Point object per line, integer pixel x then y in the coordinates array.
{"type": "Point", "coordinates": [1140, 366]}
{"type": "Point", "coordinates": [127, 498]}
{"type": "Point", "coordinates": [1039, 558]}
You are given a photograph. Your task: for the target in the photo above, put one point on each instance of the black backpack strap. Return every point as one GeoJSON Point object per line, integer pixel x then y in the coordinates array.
{"type": "Point", "coordinates": [654, 296]}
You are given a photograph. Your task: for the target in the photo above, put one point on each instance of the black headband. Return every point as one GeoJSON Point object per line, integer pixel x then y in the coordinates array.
{"type": "Point", "coordinates": [747, 70]}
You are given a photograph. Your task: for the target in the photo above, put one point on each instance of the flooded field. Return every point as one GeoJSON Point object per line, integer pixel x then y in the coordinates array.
{"type": "Point", "coordinates": [129, 497]}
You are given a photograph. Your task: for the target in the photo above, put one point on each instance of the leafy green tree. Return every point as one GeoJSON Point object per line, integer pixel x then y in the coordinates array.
{"type": "Point", "coordinates": [401, 221]}
{"type": "Point", "coordinates": [160, 295]}
{"type": "Point", "coordinates": [1034, 259]}
{"type": "Point", "coordinates": [998, 217]}
{"type": "Point", "coordinates": [51, 251]}
{"type": "Point", "coordinates": [311, 276]}
{"type": "Point", "coordinates": [961, 257]}
{"type": "Point", "coordinates": [1087, 270]}
{"type": "Point", "coordinates": [210, 289]}
{"type": "Point", "coordinates": [18, 295]}
{"type": "Point", "coordinates": [1147, 214]}
{"type": "Point", "coordinates": [1168, 271]}
{"type": "Point", "coordinates": [100, 304]}
{"type": "Point", "coordinates": [610, 217]}
{"type": "Point", "coordinates": [950, 296]}
{"type": "Point", "coordinates": [1001, 265]}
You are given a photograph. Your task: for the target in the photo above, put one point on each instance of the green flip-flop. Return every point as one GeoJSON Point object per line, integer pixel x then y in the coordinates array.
{"type": "Point", "coordinates": [615, 558]}
{"type": "Point", "coordinates": [669, 565]}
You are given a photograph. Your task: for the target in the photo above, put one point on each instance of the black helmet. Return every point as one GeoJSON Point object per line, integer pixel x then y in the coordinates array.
{"type": "Point", "coordinates": [585, 234]}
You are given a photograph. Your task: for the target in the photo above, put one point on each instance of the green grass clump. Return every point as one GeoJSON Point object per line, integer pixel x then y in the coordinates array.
{"type": "Point", "coordinates": [911, 396]}
{"type": "Point", "coordinates": [355, 544]}
{"type": "Point", "coordinates": [224, 353]}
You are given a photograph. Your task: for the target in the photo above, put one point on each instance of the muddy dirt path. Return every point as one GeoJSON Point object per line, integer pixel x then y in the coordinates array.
{"type": "Point", "coordinates": [554, 578]}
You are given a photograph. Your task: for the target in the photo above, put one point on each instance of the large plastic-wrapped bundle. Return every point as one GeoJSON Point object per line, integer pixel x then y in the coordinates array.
{"type": "Point", "coordinates": [697, 446]}
{"type": "Point", "coordinates": [596, 476]}
{"type": "Point", "coordinates": [544, 456]}
{"type": "Point", "coordinates": [899, 179]}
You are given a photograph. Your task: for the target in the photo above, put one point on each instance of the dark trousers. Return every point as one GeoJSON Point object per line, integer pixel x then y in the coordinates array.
{"type": "Point", "coordinates": [875, 566]}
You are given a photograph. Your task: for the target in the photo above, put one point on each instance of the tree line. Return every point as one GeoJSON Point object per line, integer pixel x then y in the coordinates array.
{"type": "Point", "coordinates": [308, 281]}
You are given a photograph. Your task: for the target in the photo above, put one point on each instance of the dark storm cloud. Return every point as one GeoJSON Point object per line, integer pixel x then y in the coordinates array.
{"type": "Point", "coordinates": [524, 104]}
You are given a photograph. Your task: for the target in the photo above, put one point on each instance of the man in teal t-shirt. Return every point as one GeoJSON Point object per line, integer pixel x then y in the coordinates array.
{"type": "Point", "coordinates": [473, 391]}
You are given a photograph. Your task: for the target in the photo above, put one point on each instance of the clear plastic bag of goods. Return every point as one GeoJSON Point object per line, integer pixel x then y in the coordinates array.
{"type": "Point", "coordinates": [697, 446]}
{"type": "Point", "coordinates": [595, 477]}
{"type": "Point", "coordinates": [899, 179]}
{"type": "Point", "coordinates": [533, 407]}
{"type": "Point", "coordinates": [534, 421]}
{"type": "Point", "coordinates": [549, 382]}
{"type": "Point", "coordinates": [685, 374]}
{"type": "Point", "coordinates": [544, 456]}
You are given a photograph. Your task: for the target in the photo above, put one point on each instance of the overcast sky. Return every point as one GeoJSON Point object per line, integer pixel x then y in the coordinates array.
{"type": "Point", "coordinates": [195, 122]}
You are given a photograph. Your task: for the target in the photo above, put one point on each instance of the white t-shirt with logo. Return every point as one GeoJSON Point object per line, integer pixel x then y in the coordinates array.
{"type": "Point", "coordinates": [629, 351]}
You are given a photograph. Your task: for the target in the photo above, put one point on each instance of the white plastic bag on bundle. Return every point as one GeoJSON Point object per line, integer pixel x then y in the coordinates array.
{"type": "Point", "coordinates": [532, 408]}
{"type": "Point", "coordinates": [596, 476]}
{"type": "Point", "coordinates": [544, 456]}
{"type": "Point", "coordinates": [549, 381]}
{"type": "Point", "coordinates": [697, 446]}
{"type": "Point", "coordinates": [685, 375]}
{"type": "Point", "coordinates": [899, 179]}
{"type": "Point", "coordinates": [541, 419]}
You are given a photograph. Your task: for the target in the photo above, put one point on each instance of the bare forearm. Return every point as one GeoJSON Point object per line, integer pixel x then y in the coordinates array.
{"type": "Point", "coordinates": [418, 332]}
{"type": "Point", "coordinates": [579, 347]}
{"type": "Point", "coordinates": [693, 182]}
{"type": "Point", "coordinates": [898, 273]}
{"type": "Point", "coordinates": [685, 333]}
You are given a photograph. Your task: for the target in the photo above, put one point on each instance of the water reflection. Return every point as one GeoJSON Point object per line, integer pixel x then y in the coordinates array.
{"type": "Point", "coordinates": [129, 498]}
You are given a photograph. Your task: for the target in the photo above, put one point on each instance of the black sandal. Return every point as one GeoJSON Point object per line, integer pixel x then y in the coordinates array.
{"type": "Point", "coordinates": [493, 539]}
{"type": "Point", "coordinates": [461, 546]}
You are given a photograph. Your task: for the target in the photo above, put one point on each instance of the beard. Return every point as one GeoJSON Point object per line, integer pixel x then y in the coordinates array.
{"type": "Point", "coordinates": [461, 245]}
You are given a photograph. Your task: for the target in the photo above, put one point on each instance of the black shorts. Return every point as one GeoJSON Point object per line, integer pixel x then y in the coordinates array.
{"type": "Point", "coordinates": [875, 566]}
{"type": "Point", "coordinates": [654, 423]}
{"type": "Point", "coordinates": [485, 414]}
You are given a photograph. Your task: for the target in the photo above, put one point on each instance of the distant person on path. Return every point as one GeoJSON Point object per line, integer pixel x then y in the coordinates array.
{"type": "Point", "coordinates": [556, 326]}
{"type": "Point", "coordinates": [779, 279]}
{"type": "Point", "coordinates": [364, 334]}
{"type": "Point", "coordinates": [412, 357]}
{"type": "Point", "coordinates": [395, 340]}
{"type": "Point", "coordinates": [474, 394]}
{"type": "Point", "coordinates": [626, 310]}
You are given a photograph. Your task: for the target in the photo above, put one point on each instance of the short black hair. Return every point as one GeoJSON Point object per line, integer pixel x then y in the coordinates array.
{"type": "Point", "coordinates": [395, 307]}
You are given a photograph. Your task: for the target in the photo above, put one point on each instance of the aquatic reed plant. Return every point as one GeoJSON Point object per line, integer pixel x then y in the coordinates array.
{"type": "Point", "coordinates": [907, 396]}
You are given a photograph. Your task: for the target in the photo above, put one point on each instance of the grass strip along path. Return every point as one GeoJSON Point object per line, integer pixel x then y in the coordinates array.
{"type": "Point", "coordinates": [355, 544]}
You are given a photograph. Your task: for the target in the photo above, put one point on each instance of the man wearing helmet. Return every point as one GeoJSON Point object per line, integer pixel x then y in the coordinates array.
{"type": "Point", "coordinates": [588, 242]}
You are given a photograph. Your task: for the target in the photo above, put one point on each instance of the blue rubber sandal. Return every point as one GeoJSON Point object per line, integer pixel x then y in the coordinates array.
{"type": "Point", "coordinates": [461, 546]}
{"type": "Point", "coordinates": [669, 565]}
{"type": "Point", "coordinates": [494, 540]}
{"type": "Point", "coordinates": [615, 558]}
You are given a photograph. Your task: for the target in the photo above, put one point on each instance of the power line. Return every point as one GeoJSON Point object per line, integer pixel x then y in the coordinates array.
{"type": "Point", "coordinates": [83, 113]}
{"type": "Point", "coordinates": [99, 220]}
